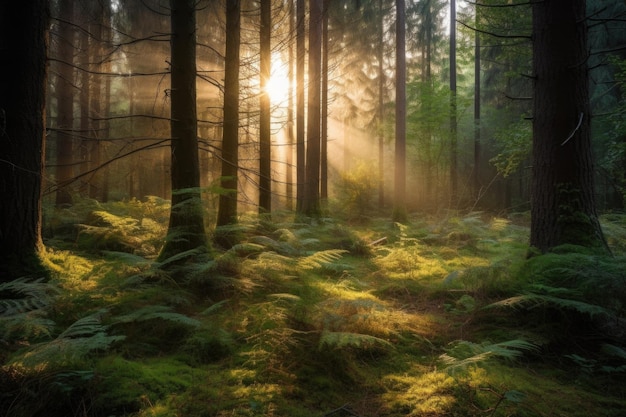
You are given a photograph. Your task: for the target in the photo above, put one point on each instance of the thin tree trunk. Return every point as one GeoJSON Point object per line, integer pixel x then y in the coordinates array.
{"type": "Point", "coordinates": [95, 105]}
{"type": "Point", "coordinates": [300, 127]}
{"type": "Point", "coordinates": [311, 203]}
{"type": "Point", "coordinates": [400, 210]}
{"type": "Point", "coordinates": [453, 119]}
{"type": "Point", "coordinates": [227, 206]}
{"type": "Point", "coordinates": [476, 179]}
{"type": "Point", "coordinates": [265, 139]}
{"type": "Point", "coordinates": [381, 108]}
{"type": "Point", "coordinates": [290, 112]}
{"type": "Point", "coordinates": [65, 104]}
{"type": "Point", "coordinates": [324, 117]}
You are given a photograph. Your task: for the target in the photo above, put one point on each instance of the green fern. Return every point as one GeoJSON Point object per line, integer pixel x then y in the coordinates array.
{"type": "Point", "coordinates": [464, 353]}
{"type": "Point", "coordinates": [27, 294]}
{"type": "Point", "coordinates": [23, 316]}
{"type": "Point", "coordinates": [156, 313]}
{"type": "Point", "coordinates": [534, 301]}
{"type": "Point", "coordinates": [321, 259]}
{"type": "Point", "coordinates": [82, 337]}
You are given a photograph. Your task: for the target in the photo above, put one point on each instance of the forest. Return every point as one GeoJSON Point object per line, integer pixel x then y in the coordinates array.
{"type": "Point", "coordinates": [312, 208]}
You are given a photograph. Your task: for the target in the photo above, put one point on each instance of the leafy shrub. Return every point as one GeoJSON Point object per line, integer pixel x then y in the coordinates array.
{"type": "Point", "coordinates": [356, 190]}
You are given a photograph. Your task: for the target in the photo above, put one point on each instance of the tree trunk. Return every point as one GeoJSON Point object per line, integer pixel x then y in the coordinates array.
{"type": "Point", "coordinates": [563, 203]}
{"type": "Point", "coordinates": [300, 146]}
{"type": "Point", "coordinates": [186, 225]}
{"type": "Point", "coordinates": [65, 104]}
{"type": "Point", "coordinates": [290, 114]}
{"type": "Point", "coordinates": [453, 121]}
{"type": "Point", "coordinates": [265, 134]}
{"type": "Point", "coordinates": [324, 116]}
{"type": "Point", "coordinates": [311, 203]}
{"type": "Point", "coordinates": [476, 179]}
{"type": "Point", "coordinates": [95, 105]}
{"type": "Point", "coordinates": [400, 211]}
{"type": "Point", "coordinates": [227, 208]}
{"type": "Point", "coordinates": [23, 50]}
{"type": "Point", "coordinates": [381, 108]}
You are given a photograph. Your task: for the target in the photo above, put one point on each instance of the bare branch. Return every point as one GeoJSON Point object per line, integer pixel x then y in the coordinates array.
{"type": "Point", "coordinates": [497, 35]}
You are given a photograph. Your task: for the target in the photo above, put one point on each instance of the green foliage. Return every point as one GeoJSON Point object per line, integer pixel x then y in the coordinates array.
{"type": "Point", "coordinates": [84, 336]}
{"type": "Point", "coordinates": [296, 319]}
{"type": "Point", "coordinates": [24, 307]}
{"type": "Point", "coordinates": [464, 353]}
{"type": "Point", "coordinates": [343, 340]}
{"type": "Point", "coordinates": [126, 386]}
{"type": "Point", "coordinates": [515, 145]}
{"type": "Point", "coordinates": [356, 190]}
{"type": "Point", "coordinates": [155, 313]}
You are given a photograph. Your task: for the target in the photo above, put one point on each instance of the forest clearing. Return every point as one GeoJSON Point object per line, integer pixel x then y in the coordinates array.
{"type": "Point", "coordinates": [442, 317]}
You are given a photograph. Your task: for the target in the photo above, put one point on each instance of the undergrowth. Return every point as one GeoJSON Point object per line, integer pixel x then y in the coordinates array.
{"type": "Point", "coordinates": [440, 316]}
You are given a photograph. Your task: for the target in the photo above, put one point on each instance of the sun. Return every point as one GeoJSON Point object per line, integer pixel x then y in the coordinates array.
{"type": "Point", "coordinates": [278, 85]}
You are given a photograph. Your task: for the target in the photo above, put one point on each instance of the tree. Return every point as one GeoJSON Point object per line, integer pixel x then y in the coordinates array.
{"type": "Point", "coordinates": [399, 210]}
{"type": "Point", "coordinates": [300, 145]}
{"type": "Point", "coordinates": [23, 50]}
{"type": "Point", "coordinates": [186, 224]}
{"type": "Point", "coordinates": [227, 209]}
{"type": "Point", "coordinates": [65, 103]}
{"type": "Point", "coordinates": [562, 203]}
{"type": "Point", "coordinates": [265, 174]}
{"type": "Point", "coordinates": [453, 120]}
{"type": "Point", "coordinates": [311, 204]}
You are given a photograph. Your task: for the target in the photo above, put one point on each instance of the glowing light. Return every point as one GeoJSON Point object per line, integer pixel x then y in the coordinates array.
{"type": "Point", "coordinates": [278, 85]}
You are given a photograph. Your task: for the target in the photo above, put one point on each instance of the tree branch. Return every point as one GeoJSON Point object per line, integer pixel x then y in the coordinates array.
{"type": "Point", "coordinates": [497, 35]}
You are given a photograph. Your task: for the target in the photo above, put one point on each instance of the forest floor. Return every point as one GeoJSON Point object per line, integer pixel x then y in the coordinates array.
{"type": "Point", "coordinates": [443, 316]}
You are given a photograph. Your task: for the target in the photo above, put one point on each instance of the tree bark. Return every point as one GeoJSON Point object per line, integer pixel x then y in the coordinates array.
{"type": "Point", "coordinates": [65, 104]}
{"type": "Point", "coordinates": [23, 50]}
{"type": "Point", "coordinates": [400, 210]}
{"type": "Point", "coordinates": [562, 202]}
{"type": "Point", "coordinates": [186, 225]}
{"type": "Point", "coordinates": [453, 119]}
{"type": "Point", "coordinates": [311, 203]}
{"type": "Point", "coordinates": [265, 134]}
{"type": "Point", "coordinates": [227, 208]}
{"type": "Point", "coordinates": [300, 127]}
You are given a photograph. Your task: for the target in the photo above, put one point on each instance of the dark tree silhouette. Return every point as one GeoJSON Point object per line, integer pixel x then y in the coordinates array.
{"type": "Point", "coordinates": [23, 50]}
{"type": "Point", "coordinates": [563, 203]}
{"type": "Point", "coordinates": [300, 146]}
{"type": "Point", "coordinates": [227, 209]}
{"type": "Point", "coordinates": [311, 204]}
{"type": "Point", "coordinates": [399, 210]}
{"type": "Point", "coordinates": [186, 225]}
{"type": "Point", "coordinates": [265, 134]}
{"type": "Point", "coordinates": [65, 103]}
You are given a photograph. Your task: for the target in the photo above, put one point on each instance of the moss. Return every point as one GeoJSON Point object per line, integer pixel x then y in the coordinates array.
{"type": "Point", "coordinates": [126, 386]}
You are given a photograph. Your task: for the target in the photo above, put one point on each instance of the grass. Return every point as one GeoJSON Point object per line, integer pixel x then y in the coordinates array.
{"type": "Point", "coordinates": [301, 320]}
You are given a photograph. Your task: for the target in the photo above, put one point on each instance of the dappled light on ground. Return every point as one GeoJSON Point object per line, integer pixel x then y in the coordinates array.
{"type": "Point", "coordinates": [300, 320]}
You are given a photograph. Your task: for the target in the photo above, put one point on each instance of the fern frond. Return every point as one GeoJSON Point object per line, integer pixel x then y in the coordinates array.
{"type": "Point", "coordinates": [29, 295]}
{"type": "Point", "coordinates": [179, 257]}
{"type": "Point", "coordinates": [321, 258]}
{"type": "Point", "coordinates": [531, 301]}
{"type": "Point", "coordinates": [27, 325]}
{"type": "Point", "coordinates": [464, 353]}
{"type": "Point", "coordinates": [82, 337]}
{"type": "Point", "coordinates": [156, 313]}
